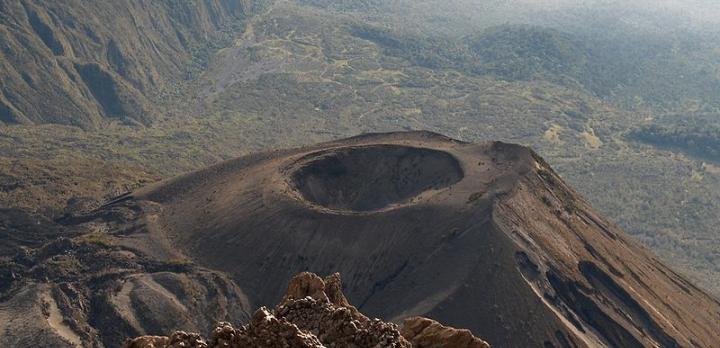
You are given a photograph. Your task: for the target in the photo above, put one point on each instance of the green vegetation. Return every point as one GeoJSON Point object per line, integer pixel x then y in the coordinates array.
{"type": "Point", "coordinates": [101, 239]}
{"type": "Point", "coordinates": [659, 74]}
{"type": "Point", "coordinates": [695, 135]}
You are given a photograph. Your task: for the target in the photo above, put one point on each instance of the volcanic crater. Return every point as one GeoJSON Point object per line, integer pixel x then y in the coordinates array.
{"type": "Point", "coordinates": [421, 224]}
{"type": "Point", "coordinates": [372, 178]}
{"type": "Point", "coordinates": [479, 236]}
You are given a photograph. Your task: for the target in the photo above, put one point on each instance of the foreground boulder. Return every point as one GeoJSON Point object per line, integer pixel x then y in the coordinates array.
{"type": "Point", "coordinates": [314, 313]}
{"type": "Point", "coordinates": [428, 333]}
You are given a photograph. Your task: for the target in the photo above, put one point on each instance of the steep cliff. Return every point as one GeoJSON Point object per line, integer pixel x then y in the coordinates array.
{"type": "Point", "coordinates": [79, 62]}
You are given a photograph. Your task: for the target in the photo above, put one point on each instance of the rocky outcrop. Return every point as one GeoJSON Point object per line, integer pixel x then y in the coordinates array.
{"type": "Point", "coordinates": [265, 330]}
{"type": "Point", "coordinates": [148, 342]}
{"type": "Point", "coordinates": [324, 290]}
{"type": "Point", "coordinates": [179, 339]}
{"type": "Point", "coordinates": [427, 333]}
{"type": "Point", "coordinates": [313, 314]}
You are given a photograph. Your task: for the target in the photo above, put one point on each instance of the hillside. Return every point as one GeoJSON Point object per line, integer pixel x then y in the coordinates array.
{"type": "Point", "coordinates": [80, 63]}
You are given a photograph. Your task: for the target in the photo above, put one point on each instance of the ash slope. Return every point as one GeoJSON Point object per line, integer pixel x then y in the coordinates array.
{"type": "Point", "coordinates": [480, 236]}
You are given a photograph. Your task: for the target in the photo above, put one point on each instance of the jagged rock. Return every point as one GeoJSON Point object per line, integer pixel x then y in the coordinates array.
{"type": "Point", "coordinates": [314, 313]}
{"type": "Point", "coordinates": [308, 284]}
{"type": "Point", "coordinates": [148, 342]}
{"type": "Point", "coordinates": [319, 306]}
{"type": "Point", "coordinates": [339, 325]}
{"type": "Point", "coordinates": [264, 331]}
{"type": "Point", "coordinates": [427, 333]}
{"type": "Point", "coordinates": [305, 285]}
{"type": "Point", "coordinates": [179, 339]}
{"type": "Point", "coordinates": [333, 290]}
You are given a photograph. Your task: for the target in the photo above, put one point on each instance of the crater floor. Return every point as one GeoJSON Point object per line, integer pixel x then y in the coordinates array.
{"type": "Point", "coordinates": [367, 178]}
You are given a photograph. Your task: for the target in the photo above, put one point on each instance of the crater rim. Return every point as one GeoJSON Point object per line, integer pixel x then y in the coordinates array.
{"type": "Point", "coordinates": [363, 179]}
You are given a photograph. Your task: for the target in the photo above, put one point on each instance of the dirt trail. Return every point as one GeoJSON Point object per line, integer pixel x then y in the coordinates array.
{"type": "Point", "coordinates": [57, 321]}
{"type": "Point", "coordinates": [123, 303]}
